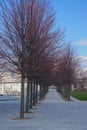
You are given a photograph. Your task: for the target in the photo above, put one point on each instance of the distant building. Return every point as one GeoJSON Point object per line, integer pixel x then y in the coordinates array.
{"type": "Point", "coordinates": [81, 82]}
{"type": "Point", "coordinates": [10, 84]}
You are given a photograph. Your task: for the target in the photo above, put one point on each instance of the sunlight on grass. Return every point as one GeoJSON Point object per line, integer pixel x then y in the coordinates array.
{"type": "Point", "coordinates": [81, 95]}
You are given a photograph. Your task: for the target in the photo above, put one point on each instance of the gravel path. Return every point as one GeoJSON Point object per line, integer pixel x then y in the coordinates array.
{"type": "Point", "coordinates": [53, 113]}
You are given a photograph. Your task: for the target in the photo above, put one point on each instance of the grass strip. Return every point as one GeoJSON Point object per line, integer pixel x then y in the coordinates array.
{"type": "Point", "coordinates": [81, 95]}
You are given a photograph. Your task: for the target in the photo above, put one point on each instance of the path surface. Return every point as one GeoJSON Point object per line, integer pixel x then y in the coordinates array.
{"type": "Point", "coordinates": [52, 114]}
{"type": "Point", "coordinates": [6, 98]}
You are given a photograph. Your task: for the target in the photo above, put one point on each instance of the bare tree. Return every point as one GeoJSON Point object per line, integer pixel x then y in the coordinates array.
{"type": "Point", "coordinates": [43, 42]}
{"type": "Point", "coordinates": [27, 36]}
{"type": "Point", "coordinates": [14, 38]}
{"type": "Point", "coordinates": [68, 68]}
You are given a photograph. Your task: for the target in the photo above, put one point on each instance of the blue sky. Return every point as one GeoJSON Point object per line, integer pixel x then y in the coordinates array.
{"type": "Point", "coordinates": [72, 15]}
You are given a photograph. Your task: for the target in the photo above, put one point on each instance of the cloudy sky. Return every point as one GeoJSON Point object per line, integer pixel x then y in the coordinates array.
{"type": "Point", "coordinates": [72, 15]}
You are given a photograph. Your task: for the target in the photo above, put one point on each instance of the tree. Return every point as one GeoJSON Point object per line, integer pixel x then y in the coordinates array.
{"type": "Point", "coordinates": [43, 42]}
{"type": "Point", "coordinates": [14, 38]}
{"type": "Point", "coordinates": [27, 38]}
{"type": "Point", "coordinates": [68, 68]}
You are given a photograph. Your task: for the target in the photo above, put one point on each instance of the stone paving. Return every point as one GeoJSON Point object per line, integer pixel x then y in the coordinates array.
{"type": "Point", "coordinates": [53, 113]}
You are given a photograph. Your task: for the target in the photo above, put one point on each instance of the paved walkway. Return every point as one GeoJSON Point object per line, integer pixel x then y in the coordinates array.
{"type": "Point", "coordinates": [53, 113]}
{"type": "Point", "coordinates": [53, 96]}
{"type": "Point", "coordinates": [6, 98]}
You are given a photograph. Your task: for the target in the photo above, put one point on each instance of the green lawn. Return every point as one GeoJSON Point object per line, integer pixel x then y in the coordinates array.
{"type": "Point", "coordinates": [81, 95]}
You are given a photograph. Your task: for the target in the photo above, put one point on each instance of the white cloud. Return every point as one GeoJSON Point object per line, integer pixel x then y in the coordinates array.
{"type": "Point", "coordinates": [82, 42]}
{"type": "Point", "coordinates": [83, 60]}
{"type": "Point", "coordinates": [83, 57]}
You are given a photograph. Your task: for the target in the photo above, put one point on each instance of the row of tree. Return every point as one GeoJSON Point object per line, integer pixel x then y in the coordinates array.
{"type": "Point", "coordinates": [67, 72]}
{"type": "Point", "coordinates": [31, 47]}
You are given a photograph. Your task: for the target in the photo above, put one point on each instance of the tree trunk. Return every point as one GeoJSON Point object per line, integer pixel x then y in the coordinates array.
{"type": "Point", "coordinates": [31, 90]}
{"type": "Point", "coordinates": [68, 92]}
{"type": "Point", "coordinates": [22, 98]}
{"type": "Point", "coordinates": [27, 97]}
{"type": "Point", "coordinates": [40, 93]}
{"type": "Point", "coordinates": [34, 93]}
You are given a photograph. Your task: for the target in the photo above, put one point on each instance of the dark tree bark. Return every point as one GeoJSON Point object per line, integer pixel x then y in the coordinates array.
{"type": "Point", "coordinates": [27, 97]}
{"type": "Point", "coordinates": [22, 98]}
{"type": "Point", "coordinates": [34, 93]}
{"type": "Point", "coordinates": [31, 95]}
